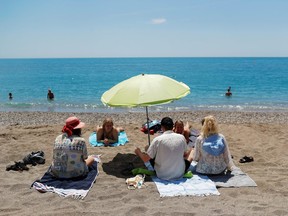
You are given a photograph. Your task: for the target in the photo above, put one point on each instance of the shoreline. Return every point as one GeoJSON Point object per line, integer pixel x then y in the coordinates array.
{"type": "Point", "coordinates": [231, 117]}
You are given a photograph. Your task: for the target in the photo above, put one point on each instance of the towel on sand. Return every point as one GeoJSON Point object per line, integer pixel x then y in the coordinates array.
{"type": "Point", "coordinates": [198, 185]}
{"type": "Point", "coordinates": [201, 185]}
{"type": "Point", "coordinates": [77, 188]}
{"type": "Point", "coordinates": [122, 139]}
{"type": "Point", "coordinates": [236, 178]}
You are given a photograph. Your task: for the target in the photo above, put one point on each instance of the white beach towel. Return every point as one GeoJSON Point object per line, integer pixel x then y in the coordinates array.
{"type": "Point", "coordinates": [195, 186]}
{"type": "Point", "coordinates": [198, 185]}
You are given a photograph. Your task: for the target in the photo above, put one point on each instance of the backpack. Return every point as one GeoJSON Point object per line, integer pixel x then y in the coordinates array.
{"type": "Point", "coordinates": [154, 127]}
{"type": "Point", "coordinates": [34, 158]}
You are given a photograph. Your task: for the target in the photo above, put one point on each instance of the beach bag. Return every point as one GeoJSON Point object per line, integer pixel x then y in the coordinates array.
{"type": "Point", "coordinates": [34, 158]}
{"type": "Point", "coordinates": [154, 127]}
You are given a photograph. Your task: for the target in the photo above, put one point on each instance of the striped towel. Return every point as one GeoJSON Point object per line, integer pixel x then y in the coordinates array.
{"type": "Point", "coordinates": [76, 188]}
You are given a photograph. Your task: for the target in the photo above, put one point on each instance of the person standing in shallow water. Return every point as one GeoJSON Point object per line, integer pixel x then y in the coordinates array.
{"type": "Point", "coordinates": [228, 93]}
{"type": "Point", "coordinates": [50, 95]}
{"type": "Point", "coordinates": [10, 96]}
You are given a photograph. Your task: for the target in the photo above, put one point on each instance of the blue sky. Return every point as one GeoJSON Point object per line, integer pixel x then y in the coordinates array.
{"type": "Point", "coordinates": [143, 28]}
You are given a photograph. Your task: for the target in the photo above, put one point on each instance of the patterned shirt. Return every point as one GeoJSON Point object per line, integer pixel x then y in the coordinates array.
{"type": "Point", "coordinates": [212, 155]}
{"type": "Point", "coordinates": [69, 156]}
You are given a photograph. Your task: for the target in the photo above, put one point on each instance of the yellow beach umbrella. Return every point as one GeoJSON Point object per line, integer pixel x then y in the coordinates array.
{"type": "Point", "coordinates": [145, 90]}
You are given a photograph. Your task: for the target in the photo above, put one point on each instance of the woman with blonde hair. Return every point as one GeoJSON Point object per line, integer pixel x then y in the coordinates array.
{"type": "Point", "coordinates": [108, 134]}
{"type": "Point", "coordinates": [211, 149]}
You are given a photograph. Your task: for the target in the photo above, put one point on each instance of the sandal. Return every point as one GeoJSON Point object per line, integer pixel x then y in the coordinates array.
{"type": "Point", "coordinates": [246, 159]}
{"type": "Point", "coordinates": [18, 166]}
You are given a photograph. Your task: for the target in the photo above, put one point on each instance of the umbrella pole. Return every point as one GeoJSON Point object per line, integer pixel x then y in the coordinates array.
{"type": "Point", "coordinates": [148, 126]}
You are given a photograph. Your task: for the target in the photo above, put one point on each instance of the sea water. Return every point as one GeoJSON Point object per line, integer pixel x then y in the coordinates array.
{"type": "Point", "coordinates": [257, 84]}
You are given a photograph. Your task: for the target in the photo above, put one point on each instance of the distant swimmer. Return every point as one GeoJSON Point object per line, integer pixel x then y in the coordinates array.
{"type": "Point", "coordinates": [228, 93]}
{"type": "Point", "coordinates": [50, 95]}
{"type": "Point", "coordinates": [10, 96]}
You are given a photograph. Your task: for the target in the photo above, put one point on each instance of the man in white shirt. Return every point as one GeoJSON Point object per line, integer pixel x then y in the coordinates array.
{"type": "Point", "coordinates": [166, 153]}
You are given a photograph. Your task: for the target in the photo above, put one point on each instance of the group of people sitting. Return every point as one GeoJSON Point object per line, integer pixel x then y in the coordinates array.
{"type": "Point", "coordinates": [170, 157]}
{"type": "Point", "coordinates": [168, 152]}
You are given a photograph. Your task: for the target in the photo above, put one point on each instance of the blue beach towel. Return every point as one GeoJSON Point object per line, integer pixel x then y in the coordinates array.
{"type": "Point", "coordinates": [122, 140]}
{"type": "Point", "coordinates": [77, 188]}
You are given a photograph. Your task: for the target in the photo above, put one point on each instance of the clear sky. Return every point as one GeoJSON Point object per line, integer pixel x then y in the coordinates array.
{"type": "Point", "coordinates": [143, 28]}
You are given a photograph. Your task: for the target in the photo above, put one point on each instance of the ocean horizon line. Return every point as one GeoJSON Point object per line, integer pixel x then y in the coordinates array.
{"type": "Point", "coordinates": [146, 57]}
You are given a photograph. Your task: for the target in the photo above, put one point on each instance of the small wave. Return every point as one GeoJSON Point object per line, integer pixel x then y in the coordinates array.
{"type": "Point", "coordinates": [86, 107]}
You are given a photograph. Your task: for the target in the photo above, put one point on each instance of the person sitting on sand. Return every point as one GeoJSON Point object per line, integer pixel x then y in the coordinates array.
{"type": "Point", "coordinates": [181, 129]}
{"type": "Point", "coordinates": [108, 134]}
{"type": "Point", "coordinates": [50, 95]}
{"type": "Point", "coordinates": [166, 153]}
{"type": "Point", "coordinates": [70, 157]}
{"type": "Point", "coordinates": [211, 149]}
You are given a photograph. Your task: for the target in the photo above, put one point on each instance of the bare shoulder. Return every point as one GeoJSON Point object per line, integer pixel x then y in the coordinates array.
{"type": "Point", "coordinates": [100, 130]}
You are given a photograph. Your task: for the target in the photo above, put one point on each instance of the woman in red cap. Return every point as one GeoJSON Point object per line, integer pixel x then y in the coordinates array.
{"type": "Point", "coordinates": [70, 157]}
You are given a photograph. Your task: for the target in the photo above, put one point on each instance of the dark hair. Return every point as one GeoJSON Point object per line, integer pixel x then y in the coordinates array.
{"type": "Point", "coordinates": [167, 123]}
{"type": "Point", "coordinates": [77, 131]}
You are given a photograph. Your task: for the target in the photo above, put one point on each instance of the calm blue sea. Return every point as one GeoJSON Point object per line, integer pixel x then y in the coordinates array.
{"type": "Point", "coordinates": [257, 84]}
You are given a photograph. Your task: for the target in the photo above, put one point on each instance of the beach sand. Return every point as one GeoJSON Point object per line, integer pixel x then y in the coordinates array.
{"type": "Point", "coordinates": [261, 135]}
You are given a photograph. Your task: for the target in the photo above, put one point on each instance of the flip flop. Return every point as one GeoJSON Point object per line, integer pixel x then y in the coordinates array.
{"type": "Point", "coordinates": [18, 166]}
{"type": "Point", "coordinates": [246, 159]}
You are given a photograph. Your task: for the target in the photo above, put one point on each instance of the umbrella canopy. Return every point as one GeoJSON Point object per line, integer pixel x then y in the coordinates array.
{"type": "Point", "coordinates": [145, 90]}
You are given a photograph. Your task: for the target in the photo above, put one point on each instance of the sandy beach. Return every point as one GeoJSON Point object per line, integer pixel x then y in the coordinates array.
{"type": "Point", "coordinates": [261, 135]}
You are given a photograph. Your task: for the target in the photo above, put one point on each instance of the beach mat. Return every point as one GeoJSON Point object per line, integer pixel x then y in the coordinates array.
{"type": "Point", "coordinates": [76, 188]}
{"type": "Point", "coordinates": [122, 140]}
{"type": "Point", "coordinates": [236, 178]}
{"type": "Point", "coordinates": [201, 185]}
{"type": "Point", "coordinates": [198, 185]}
